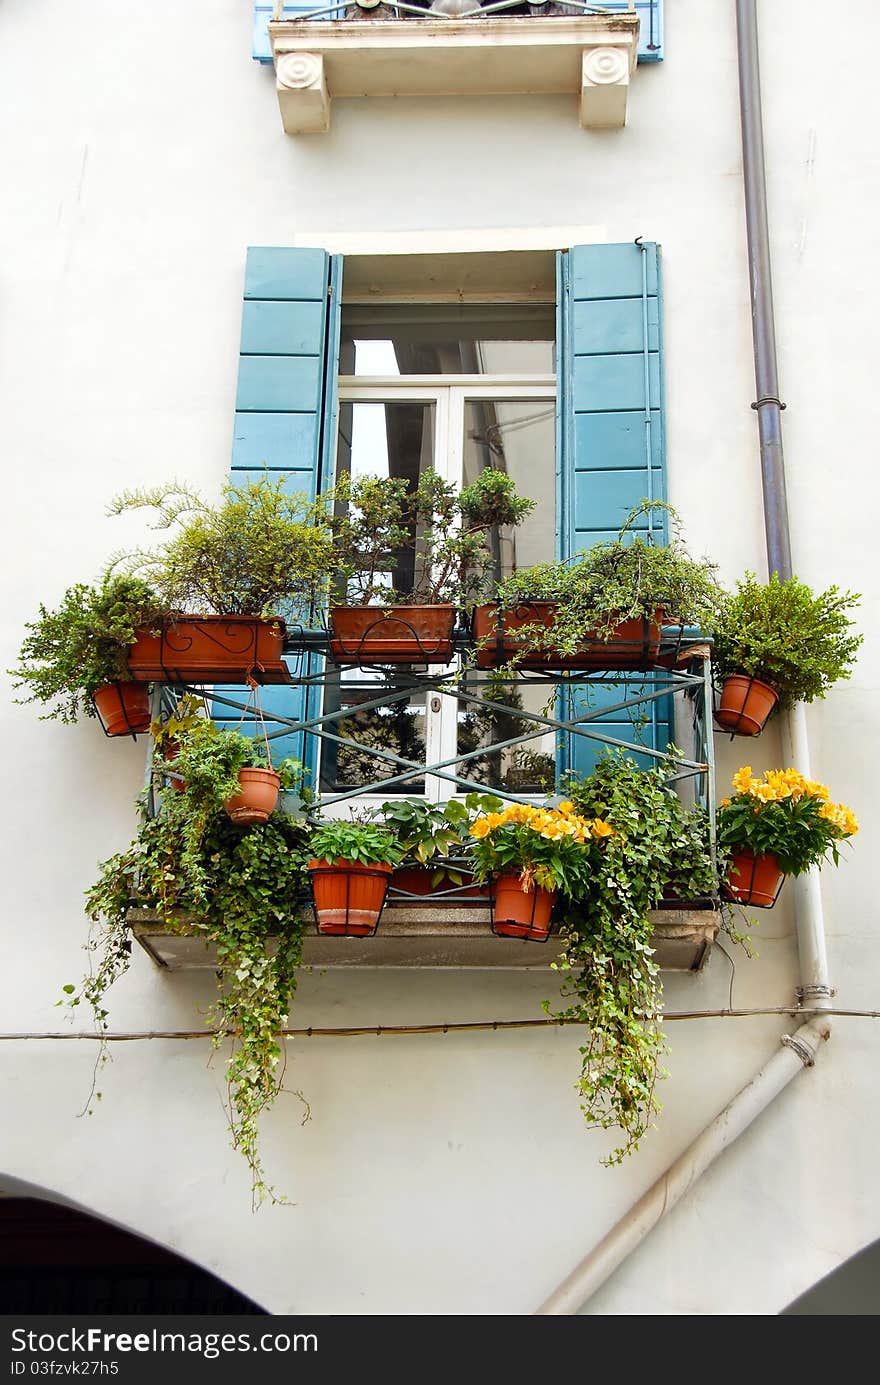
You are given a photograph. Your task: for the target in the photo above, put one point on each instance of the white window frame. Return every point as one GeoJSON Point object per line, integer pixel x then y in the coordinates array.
{"type": "Point", "coordinates": [449, 394]}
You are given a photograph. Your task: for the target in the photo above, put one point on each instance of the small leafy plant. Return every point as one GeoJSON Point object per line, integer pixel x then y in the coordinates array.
{"type": "Point", "coordinates": [798, 642]}
{"type": "Point", "coordinates": [434, 532]}
{"type": "Point", "coordinates": [71, 652]}
{"type": "Point", "coordinates": [260, 551]}
{"type": "Point", "coordinates": [621, 579]}
{"type": "Point", "coordinates": [363, 841]}
{"type": "Point", "coordinates": [782, 814]}
{"type": "Point", "coordinates": [437, 834]}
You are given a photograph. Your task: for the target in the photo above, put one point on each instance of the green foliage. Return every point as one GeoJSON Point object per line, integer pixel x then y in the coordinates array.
{"type": "Point", "coordinates": [784, 634]}
{"type": "Point", "coordinates": [251, 904]}
{"type": "Point", "coordinates": [423, 546]}
{"type": "Point", "coordinates": [438, 834]}
{"type": "Point", "coordinates": [786, 816]}
{"type": "Point", "coordinates": [363, 841]}
{"type": "Point", "coordinates": [617, 580]}
{"type": "Point", "coordinates": [259, 552]}
{"type": "Point", "coordinates": [71, 652]}
{"type": "Point", "coordinates": [208, 763]}
{"type": "Point", "coordinates": [612, 982]}
{"type": "Point", "coordinates": [179, 721]}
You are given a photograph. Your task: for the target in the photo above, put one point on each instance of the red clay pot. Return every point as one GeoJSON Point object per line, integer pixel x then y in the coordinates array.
{"type": "Point", "coordinates": [349, 897]}
{"type": "Point", "coordinates": [124, 708]}
{"type": "Point", "coordinates": [634, 644]}
{"type": "Point", "coordinates": [518, 914]}
{"type": "Point", "coordinates": [754, 880]}
{"type": "Point", "coordinates": [211, 649]}
{"type": "Point", "coordinates": [258, 797]}
{"type": "Point", "coordinates": [745, 705]}
{"type": "Point", "coordinates": [392, 634]}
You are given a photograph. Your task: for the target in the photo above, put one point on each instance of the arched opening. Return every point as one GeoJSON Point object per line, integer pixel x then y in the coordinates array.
{"type": "Point", "coordinates": [58, 1259]}
{"type": "Point", "coordinates": [852, 1290]}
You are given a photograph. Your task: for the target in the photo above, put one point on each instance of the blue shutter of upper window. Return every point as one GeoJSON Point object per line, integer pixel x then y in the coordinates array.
{"type": "Point", "coordinates": [650, 14]}
{"type": "Point", "coordinates": [285, 416]}
{"type": "Point", "coordinates": [262, 47]}
{"type": "Point", "coordinates": [611, 432]}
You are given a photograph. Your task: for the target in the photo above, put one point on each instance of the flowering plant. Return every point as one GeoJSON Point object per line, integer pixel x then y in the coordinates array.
{"type": "Point", "coordinates": [786, 816]}
{"type": "Point", "coordinates": [547, 847]}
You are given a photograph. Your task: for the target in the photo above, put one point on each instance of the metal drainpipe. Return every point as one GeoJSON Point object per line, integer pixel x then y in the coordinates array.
{"type": "Point", "coordinates": [800, 1049]}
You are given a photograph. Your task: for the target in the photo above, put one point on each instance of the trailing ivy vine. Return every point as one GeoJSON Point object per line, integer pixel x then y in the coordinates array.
{"type": "Point", "coordinates": [248, 902]}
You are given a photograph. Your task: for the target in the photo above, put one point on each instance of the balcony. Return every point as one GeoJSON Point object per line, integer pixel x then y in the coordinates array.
{"type": "Point", "coordinates": [409, 50]}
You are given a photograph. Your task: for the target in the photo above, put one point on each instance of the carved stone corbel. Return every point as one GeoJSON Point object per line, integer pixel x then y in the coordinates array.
{"type": "Point", "coordinates": [604, 86]}
{"type": "Point", "coordinates": [302, 93]}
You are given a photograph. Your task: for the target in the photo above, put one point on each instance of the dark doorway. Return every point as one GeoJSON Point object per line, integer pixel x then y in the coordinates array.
{"type": "Point", "coordinates": [54, 1259]}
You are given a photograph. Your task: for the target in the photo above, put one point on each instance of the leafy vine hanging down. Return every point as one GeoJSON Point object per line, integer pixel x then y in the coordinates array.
{"type": "Point", "coordinates": [244, 894]}
{"type": "Point", "coordinates": [612, 981]}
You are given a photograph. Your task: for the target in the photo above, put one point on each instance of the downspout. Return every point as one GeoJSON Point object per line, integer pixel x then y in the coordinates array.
{"type": "Point", "coordinates": [799, 1050]}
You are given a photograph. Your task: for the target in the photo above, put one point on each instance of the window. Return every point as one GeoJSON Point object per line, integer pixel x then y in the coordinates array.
{"type": "Point", "coordinates": [450, 360]}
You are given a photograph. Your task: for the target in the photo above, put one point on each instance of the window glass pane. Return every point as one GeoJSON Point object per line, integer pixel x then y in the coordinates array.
{"type": "Point", "coordinates": [398, 729]}
{"type": "Point", "coordinates": [518, 437]}
{"type": "Point", "coordinates": [529, 767]}
{"type": "Point", "coordinates": [447, 339]}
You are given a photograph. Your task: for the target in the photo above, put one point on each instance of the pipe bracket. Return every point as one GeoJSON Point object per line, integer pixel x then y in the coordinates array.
{"type": "Point", "coordinates": [803, 1051]}
{"type": "Point", "coordinates": [815, 991]}
{"type": "Point", "coordinates": [768, 399]}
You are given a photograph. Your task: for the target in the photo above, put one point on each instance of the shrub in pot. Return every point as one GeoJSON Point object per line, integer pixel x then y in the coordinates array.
{"type": "Point", "coordinates": [603, 608]}
{"type": "Point", "coordinates": [350, 867]}
{"type": "Point", "coordinates": [778, 643]}
{"type": "Point", "coordinates": [777, 825]}
{"type": "Point", "coordinates": [74, 658]}
{"type": "Point", "coordinates": [434, 839]}
{"type": "Point", "coordinates": [229, 576]}
{"type": "Point", "coordinates": [435, 534]}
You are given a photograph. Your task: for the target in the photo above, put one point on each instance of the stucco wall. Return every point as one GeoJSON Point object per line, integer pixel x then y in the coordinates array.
{"type": "Point", "coordinates": [140, 152]}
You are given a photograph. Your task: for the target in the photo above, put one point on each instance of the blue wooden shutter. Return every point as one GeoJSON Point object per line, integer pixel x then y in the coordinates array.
{"type": "Point", "coordinates": [611, 431]}
{"type": "Point", "coordinates": [285, 416]}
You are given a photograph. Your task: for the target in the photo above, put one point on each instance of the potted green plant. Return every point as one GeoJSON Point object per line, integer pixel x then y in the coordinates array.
{"type": "Point", "coordinates": [531, 855]}
{"type": "Point", "coordinates": [778, 643]}
{"type": "Point", "coordinates": [229, 577]}
{"type": "Point", "coordinates": [246, 897]}
{"type": "Point", "coordinates": [781, 824]}
{"type": "Point", "coordinates": [351, 864]}
{"type": "Point", "coordinates": [611, 978]}
{"type": "Point", "coordinates": [604, 608]}
{"type": "Point", "coordinates": [434, 839]}
{"type": "Point", "coordinates": [74, 659]}
{"type": "Point", "coordinates": [437, 536]}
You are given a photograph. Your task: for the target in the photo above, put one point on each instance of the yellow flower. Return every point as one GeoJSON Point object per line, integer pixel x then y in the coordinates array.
{"type": "Point", "coordinates": [742, 779]}
{"type": "Point", "coordinates": [566, 807]}
{"type": "Point", "coordinates": [725, 802]}
{"type": "Point", "coordinates": [481, 828]}
{"type": "Point", "coordinates": [600, 828]}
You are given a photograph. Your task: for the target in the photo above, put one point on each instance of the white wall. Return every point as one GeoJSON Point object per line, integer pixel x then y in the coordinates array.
{"type": "Point", "coordinates": [140, 152]}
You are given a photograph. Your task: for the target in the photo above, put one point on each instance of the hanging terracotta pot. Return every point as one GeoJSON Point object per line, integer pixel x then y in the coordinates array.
{"type": "Point", "coordinates": [211, 649]}
{"type": "Point", "coordinates": [745, 705]}
{"type": "Point", "coordinates": [634, 643]}
{"type": "Point", "coordinates": [123, 708]}
{"type": "Point", "coordinates": [258, 797]}
{"type": "Point", "coordinates": [754, 880]}
{"type": "Point", "coordinates": [518, 913]}
{"type": "Point", "coordinates": [349, 897]}
{"type": "Point", "coordinates": [392, 634]}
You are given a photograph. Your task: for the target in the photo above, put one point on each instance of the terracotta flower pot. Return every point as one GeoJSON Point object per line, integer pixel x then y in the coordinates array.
{"type": "Point", "coordinates": [349, 897]}
{"type": "Point", "coordinates": [258, 797]}
{"type": "Point", "coordinates": [745, 705]}
{"type": "Point", "coordinates": [211, 649]}
{"type": "Point", "coordinates": [392, 634]}
{"type": "Point", "coordinates": [754, 880]}
{"type": "Point", "coordinates": [517, 913]}
{"type": "Point", "coordinates": [634, 643]}
{"type": "Point", "coordinates": [124, 708]}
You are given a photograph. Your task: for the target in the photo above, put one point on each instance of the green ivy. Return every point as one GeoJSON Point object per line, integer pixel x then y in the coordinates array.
{"type": "Point", "coordinates": [612, 981]}
{"type": "Point", "coordinates": [251, 903]}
